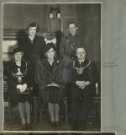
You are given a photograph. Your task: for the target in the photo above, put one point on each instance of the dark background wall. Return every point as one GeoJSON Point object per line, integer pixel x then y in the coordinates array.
{"type": "Point", "coordinates": [18, 16]}
{"type": "Point", "coordinates": [87, 16]}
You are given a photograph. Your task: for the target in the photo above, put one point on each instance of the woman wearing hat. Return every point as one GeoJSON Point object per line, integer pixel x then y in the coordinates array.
{"type": "Point", "coordinates": [49, 78]}
{"type": "Point", "coordinates": [20, 86]}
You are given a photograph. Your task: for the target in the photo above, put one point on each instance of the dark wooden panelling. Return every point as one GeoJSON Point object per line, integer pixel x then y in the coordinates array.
{"type": "Point", "coordinates": [18, 16]}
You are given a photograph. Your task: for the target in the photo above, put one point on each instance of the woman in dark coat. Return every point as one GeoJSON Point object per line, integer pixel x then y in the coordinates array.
{"type": "Point", "coordinates": [32, 45]}
{"type": "Point", "coordinates": [82, 88]}
{"type": "Point", "coordinates": [20, 85]}
{"type": "Point", "coordinates": [49, 78]}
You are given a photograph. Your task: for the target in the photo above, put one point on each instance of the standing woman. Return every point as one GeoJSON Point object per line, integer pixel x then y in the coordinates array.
{"type": "Point", "coordinates": [49, 78]}
{"type": "Point", "coordinates": [32, 45]}
{"type": "Point", "coordinates": [20, 86]}
{"type": "Point", "coordinates": [84, 77]}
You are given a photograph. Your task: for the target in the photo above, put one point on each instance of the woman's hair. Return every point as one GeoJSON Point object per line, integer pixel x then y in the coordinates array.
{"type": "Point", "coordinates": [34, 24]}
{"type": "Point", "coordinates": [81, 47]}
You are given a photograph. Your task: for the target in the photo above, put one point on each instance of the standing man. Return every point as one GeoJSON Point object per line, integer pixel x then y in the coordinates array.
{"type": "Point", "coordinates": [70, 41]}
{"type": "Point", "coordinates": [32, 46]}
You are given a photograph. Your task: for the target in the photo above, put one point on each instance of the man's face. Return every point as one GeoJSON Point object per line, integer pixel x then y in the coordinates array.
{"type": "Point", "coordinates": [81, 54]}
{"type": "Point", "coordinates": [32, 31]}
{"type": "Point", "coordinates": [72, 29]}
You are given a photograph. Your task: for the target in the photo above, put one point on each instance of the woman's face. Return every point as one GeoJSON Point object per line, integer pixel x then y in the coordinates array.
{"type": "Point", "coordinates": [32, 31]}
{"type": "Point", "coordinates": [18, 56]}
{"type": "Point", "coordinates": [50, 53]}
{"type": "Point", "coordinates": [81, 54]}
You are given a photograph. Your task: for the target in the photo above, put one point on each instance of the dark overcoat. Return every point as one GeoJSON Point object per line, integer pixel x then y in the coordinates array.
{"type": "Point", "coordinates": [46, 74]}
{"type": "Point", "coordinates": [33, 50]}
{"type": "Point", "coordinates": [69, 44]}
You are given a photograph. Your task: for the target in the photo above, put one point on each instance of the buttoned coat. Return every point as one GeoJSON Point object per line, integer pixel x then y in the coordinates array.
{"type": "Point", "coordinates": [33, 50]}
{"type": "Point", "coordinates": [46, 74]}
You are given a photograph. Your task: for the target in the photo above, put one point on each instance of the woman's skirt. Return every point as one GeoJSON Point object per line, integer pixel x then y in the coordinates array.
{"type": "Point", "coordinates": [52, 94]}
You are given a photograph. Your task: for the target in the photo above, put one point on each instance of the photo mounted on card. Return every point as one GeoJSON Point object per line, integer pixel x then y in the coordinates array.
{"type": "Point", "coordinates": [52, 66]}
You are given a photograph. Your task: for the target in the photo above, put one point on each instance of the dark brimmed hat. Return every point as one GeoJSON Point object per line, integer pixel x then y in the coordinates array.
{"type": "Point", "coordinates": [49, 36]}
{"type": "Point", "coordinates": [49, 46]}
{"type": "Point", "coordinates": [34, 24]}
{"type": "Point", "coordinates": [16, 50]}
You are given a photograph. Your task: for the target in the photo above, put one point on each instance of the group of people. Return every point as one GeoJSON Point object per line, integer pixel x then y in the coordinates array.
{"type": "Point", "coordinates": [40, 71]}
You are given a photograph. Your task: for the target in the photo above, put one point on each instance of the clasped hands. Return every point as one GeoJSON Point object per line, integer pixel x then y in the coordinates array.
{"type": "Point", "coordinates": [82, 84]}
{"type": "Point", "coordinates": [22, 87]}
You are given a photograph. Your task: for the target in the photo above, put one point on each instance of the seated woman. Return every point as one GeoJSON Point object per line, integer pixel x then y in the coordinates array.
{"type": "Point", "coordinates": [49, 78]}
{"type": "Point", "coordinates": [20, 86]}
{"type": "Point", "coordinates": [82, 88]}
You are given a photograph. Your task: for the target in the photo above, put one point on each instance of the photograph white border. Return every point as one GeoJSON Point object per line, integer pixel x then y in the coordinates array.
{"type": "Point", "coordinates": [46, 3]}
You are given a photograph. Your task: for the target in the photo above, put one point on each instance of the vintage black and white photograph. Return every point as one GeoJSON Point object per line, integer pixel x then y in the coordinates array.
{"type": "Point", "coordinates": [52, 66]}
